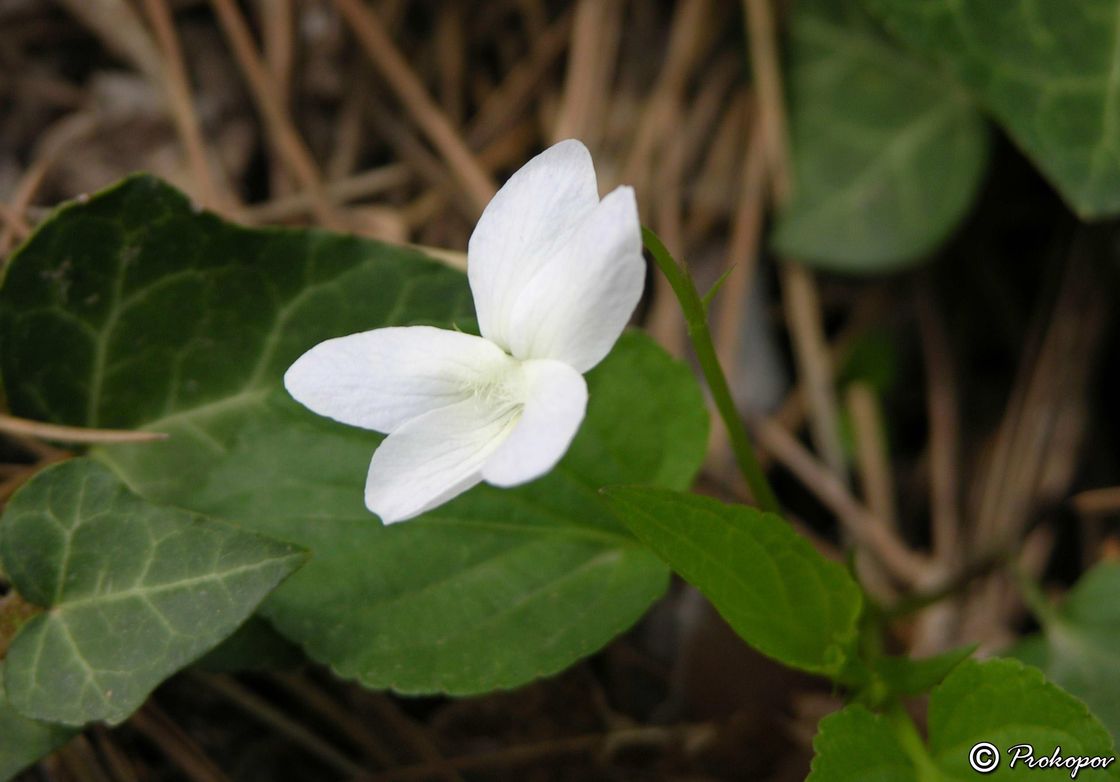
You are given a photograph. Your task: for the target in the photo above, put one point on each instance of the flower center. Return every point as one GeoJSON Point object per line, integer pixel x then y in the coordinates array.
{"type": "Point", "coordinates": [503, 387]}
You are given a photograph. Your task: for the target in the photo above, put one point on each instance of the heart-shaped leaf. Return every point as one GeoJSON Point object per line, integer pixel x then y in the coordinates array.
{"type": "Point", "coordinates": [135, 310]}
{"type": "Point", "coordinates": [23, 740]}
{"type": "Point", "coordinates": [1049, 72]}
{"type": "Point", "coordinates": [133, 591]}
{"type": "Point", "coordinates": [887, 153]}
{"type": "Point", "coordinates": [774, 589]}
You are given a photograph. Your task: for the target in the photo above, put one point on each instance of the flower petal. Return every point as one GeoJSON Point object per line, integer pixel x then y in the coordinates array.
{"type": "Point", "coordinates": [555, 403]}
{"type": "Point", "coordinates": [577, 304]}
{"type": "Point", "coordinates": [435, 457]}
{"type": "Point", "coordinates": [523, 227]}
{"type": "Point", "coordinates": [382, 378]}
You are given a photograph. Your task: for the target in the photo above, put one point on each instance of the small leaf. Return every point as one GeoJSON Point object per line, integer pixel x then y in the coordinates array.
{"type": "Point", "coordinates": [774, 589]}
{"type": "Point", "coordinates": [133, 592]}
{"type": "Point", "coordinates": [1006, 703]}
{"type": "Point", "coordinates": [1049, 72]}
{"type": "Point", "coordinates": [710, 296]}
{"type": "Point", "coordinates": [134, 310]}
{"type": "Point", "coordinates": [887, 153]}
{"type": "Point", "coordinates": [24, 741]}
{"type": "Point", "coordinates": [854, 745]}
{"type": "Point", "coordinates": [998, 702]}
{"type": "Point", "coordinates": [1080, 645]}
{"type": "Point", "coordinates": [913, 676]}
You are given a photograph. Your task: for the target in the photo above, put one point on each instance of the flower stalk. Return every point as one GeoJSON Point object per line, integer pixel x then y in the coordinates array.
{"type": "Point", "coordinates": [696, 319]}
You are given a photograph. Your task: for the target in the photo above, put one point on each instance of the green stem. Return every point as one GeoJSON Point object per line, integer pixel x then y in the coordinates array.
{"type": "Point", "coordinates": [696, 318]}
{"type": "Point", "coordinates": [913, 744]}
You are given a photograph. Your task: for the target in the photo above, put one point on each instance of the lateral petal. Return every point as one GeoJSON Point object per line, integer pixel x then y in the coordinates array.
{"type": "Point", "coordinates": [383, 378]}
{"type": "Point", "coordinates": [435, 457]}
{"type": "Point", "coordinates": [579, 301]}
{"type": "Point", "coordinates": [554, 407]}
{"type": "Point", "coordinates": [528, 221]}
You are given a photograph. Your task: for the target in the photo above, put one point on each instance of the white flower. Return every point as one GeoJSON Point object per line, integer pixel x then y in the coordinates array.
{"type": "Point", "coordinates": [556, 274]}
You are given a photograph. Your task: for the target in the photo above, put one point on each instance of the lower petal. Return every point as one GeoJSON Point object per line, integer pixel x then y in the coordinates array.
{"type": "Point", "coordinates": [554, 406]}
{"type": "Point", "coordinates": [435, 457]}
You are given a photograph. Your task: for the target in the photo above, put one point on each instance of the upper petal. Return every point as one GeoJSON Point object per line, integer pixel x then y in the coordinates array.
{"type": "Point", "coordinates": [523, 227]}
{"type": "Point", "coordinates": [579, 301]}
{"type": "Point", "coordinates": [554, 406]}
{"type": "Point", "coordinates": [436, 456]}
{"type": "Point", "coordinates": [382, 378]}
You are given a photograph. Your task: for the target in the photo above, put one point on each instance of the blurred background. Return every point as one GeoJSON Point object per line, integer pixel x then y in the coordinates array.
{"type": "Point", "coordinates": [915, 323]}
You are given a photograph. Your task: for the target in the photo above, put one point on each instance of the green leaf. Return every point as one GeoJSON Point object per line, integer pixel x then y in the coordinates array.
{"type": "Point", "coordinates": [887, 153]}
{"type": "Point", "coordinates": [1049, 72]}
{"type": "Point", "coordinates": [23, 740]}
{"type": "Point", "coordinates": [134, 310]}
{"type": "Point", "coordinates": [491, 590]}
{"type": "Point", "coordinates": [913, 676]}
{"type": "Point", "coordinates": [1000, 702]}
{"type": "Point", "coordinates": [774, 589]}
{"type": "Point", "coordinates": [854, 745]}
{"type": "Point", "coordinates": [1080, 645]}
{"type": "Point", "coordinates": [713, 291]}
{"type": "Point", "coordinates": [1007, 703]}
{"type": "Point", "coordinates": [133, 592]}
{"type": "Point", "coordinates": [881, 680]}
